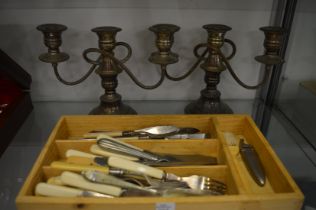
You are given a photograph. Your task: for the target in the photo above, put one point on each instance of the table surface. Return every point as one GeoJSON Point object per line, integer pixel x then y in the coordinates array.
{"type": "Point", "coordinates": [19, 157]}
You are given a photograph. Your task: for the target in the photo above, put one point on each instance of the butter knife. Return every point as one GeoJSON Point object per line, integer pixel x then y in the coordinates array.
{"type": "Point", "coordinates": [51, 190]}
{"type": "Point", "coordinates": [252, 162]}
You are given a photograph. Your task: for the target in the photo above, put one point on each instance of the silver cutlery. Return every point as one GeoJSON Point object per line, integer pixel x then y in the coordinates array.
{"type": "Point", "coordinates": [76, 180]}
{"type": "Point", "coordinates": [194, 182]}
{"type": "Point", "coordinates": [252, 162]}
{"type": "Point", "coordinates": [116, 146]}
{"type": "Point", "coordinates": [51, 190]}
{"type": "Point", "coordinates": [155, 132]}
{"type": "Point", "coordinates": [102, 178]}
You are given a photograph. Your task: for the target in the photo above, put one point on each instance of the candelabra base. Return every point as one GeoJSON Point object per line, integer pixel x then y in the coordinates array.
{"type": "Point", "coordinates": [202, 106]}
{"type": "Point", "coordinates": [113, 110]}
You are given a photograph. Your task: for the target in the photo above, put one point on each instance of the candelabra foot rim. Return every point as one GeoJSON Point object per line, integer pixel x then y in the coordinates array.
{"type": "Point", "coordinates": [207, 107]}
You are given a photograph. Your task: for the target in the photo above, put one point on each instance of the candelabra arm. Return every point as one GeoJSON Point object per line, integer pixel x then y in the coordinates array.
{"type": "Point", "coordinates": [132, 76]}
{"type": "Point", "coordinates": [83, 78]}
{"type": "Point", "coordinates": [194, 66]}
{"type": "Point", "coordinates": [234, 75]}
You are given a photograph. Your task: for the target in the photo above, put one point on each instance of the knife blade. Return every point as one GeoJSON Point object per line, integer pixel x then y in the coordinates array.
{"type": "Point", "coordinates": [188, 136]}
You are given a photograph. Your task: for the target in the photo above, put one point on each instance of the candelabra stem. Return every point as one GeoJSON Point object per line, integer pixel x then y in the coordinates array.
{"type": "Point", "coordinates": [110, 101]}
{"type": "Point", "coordinates": [209, 101]}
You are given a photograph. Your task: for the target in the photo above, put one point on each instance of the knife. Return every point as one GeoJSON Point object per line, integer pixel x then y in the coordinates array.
{"type": "Point", "coordinates": [76, 180]}
{"type": "Point", "coordinates": [157, 130]}
{"type": "Point", "coordinates": [102, 178]}
{"type": "Point", "coordinates": [175, 136]}
{"type": "Point", "coordinates": [252, 162]}
{"type": "Point", "coordinates": [186, 160]}
{"type": "Point", "coordinates": [188, 136]}
{"type": "Point", "coordinates": [121, 147]}
{"type": "Point", "coordinates": [82, 158]}
{"type": "Point", "coordinates": [51, 190]}
{"type": "Point", "coordinates": [98, 151]}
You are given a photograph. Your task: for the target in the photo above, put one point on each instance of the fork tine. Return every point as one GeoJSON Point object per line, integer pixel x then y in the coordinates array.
{"type": "Point", "coordinates": [214, 185]}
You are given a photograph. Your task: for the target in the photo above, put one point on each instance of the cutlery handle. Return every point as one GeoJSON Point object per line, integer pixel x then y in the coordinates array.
{"type": "Point", "coordinates": [51, 190]}
{"type": "Point", "coordinates": [97, 150]}
{"type": "Point", "coordinates": [76, 167]}
{"type": "Point", "coordinates": [136, 167]}
{"type": "Point", "coordinates": [56, 180]}
{"type": "Point", "coordinates": [76, 180]}
{"type": "Point", "coordinates": [72, 152]}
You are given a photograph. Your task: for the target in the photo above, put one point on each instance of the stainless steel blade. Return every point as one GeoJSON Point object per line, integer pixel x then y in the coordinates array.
{"type": "Point", "coordinates": [184, 160]}
{"type": "Point", "coordinates": [86, 193]}
{"type": "Point", "coordinates": [158, 130]}
{"type": "Point", "coordinates": [187, 136]}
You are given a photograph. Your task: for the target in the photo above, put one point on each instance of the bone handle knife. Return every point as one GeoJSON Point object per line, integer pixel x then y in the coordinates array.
{"type": "Point", "coordinates": [135, 167]}
{"type": "Point", "coordinates": [76, 167]}
{"type": "Point", "coordinates": [97, 150]}
{"type": "Point", "coordinates": [50, 190]}
{"type": "Point", "coordinates": [76, 180]}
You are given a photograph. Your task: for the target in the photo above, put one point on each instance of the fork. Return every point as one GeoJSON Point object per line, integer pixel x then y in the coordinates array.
{"type": "Point", "coordinates": [200, 182]}
{"type": "Point", "coordinates": [195, 182]}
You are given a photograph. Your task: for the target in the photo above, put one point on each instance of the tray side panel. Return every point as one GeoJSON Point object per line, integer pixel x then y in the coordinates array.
{"type": "Point", "coordinates": [48, 153]}
{"type": "Point", "coordinates": [277, 174]}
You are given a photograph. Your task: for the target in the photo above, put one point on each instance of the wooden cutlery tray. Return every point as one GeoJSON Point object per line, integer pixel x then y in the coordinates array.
{"type": "Point", "coordinates": [279, 192]}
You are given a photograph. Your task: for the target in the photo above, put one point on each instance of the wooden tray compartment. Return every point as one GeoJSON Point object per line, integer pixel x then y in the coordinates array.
{"type": "Point", "coordinates": [278, 180]}
{"type": "Point", "coordinates": [281, 191]}
{"type": "Point", "coordinates": [76, 126]}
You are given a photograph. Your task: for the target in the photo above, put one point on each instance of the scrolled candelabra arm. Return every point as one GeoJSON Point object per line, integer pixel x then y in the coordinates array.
{"type": "Point", "coordinates": [132, 76]}
{"type": "Point", "coordinates": [272, 45]}
{"type": "Point", "coordinates": [73, 82]}
{"type": "Point", "coordinates": [236, 78]}
{"type": "Point", "coordinates": [200, 58]}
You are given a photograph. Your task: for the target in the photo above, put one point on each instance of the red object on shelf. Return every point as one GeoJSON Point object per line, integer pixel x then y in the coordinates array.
{"type": "Point", "coordinates": [9, 91]}
{"type": "Point", "coordinates": [15, 100]}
